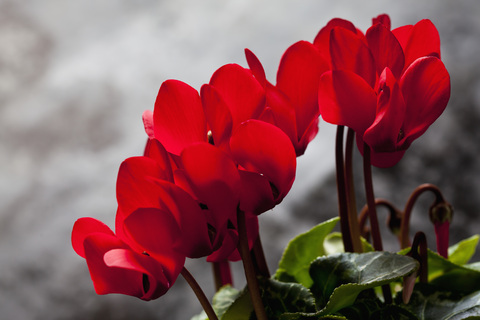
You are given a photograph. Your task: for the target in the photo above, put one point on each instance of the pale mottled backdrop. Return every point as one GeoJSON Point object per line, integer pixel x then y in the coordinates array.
{"type": "Point", "coordinates": [75, 77]}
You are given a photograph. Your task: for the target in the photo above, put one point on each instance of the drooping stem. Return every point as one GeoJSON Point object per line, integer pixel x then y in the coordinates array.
{"type": "Point", "coordinates": [350, 193]}
{"type": "Point", "coordinates": [405, 227]}
{"type": "Point", "coordinates": [372, 211]}
{"type": "Point", "coordinates": [259, 258]}
{"type": "Point", "coordinates": [207, 307]}
{"type": "Point", "coordinates": [394, 218]}
{"type": "Point", "coordinates": [419, 253]}
{"type": "Point", "coordinates": [250, 275]}
{"type": "Point", "coordinates": [342, 191]}
{"type": "Point", "coordinates": [222, 274]}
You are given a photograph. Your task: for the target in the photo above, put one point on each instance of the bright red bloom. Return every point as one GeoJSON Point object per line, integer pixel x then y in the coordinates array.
{"type": "Point", "coordinates": [117, 268]}
{"type": "Point", "coordinates": [233, 97]}
{"type": "Point", "coordinates": [292, 105]}
{"type": "Point", "coordinates": [388, 86]}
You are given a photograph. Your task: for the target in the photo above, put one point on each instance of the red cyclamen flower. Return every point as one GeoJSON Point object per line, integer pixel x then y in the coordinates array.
{"type": "Point", "coordinates": [292, 104]}
{"type": "Point", "coordinates": [220, 115]}
{"type": "Point", "coordinates": [388, 86]}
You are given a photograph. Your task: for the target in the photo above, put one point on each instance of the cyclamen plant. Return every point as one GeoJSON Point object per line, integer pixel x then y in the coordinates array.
{"type": "Point", "coordinates": [217, 159]}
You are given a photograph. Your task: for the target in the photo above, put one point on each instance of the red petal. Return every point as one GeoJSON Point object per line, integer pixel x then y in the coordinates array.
{"type": "Point", "coordinates": [256, 67]}
{"type": "Point", "coordinates": [322, 40]}
{"type": "Point", "coordinates": [423, 40]}
{"type": "Point", "coordinates": [349, 52]}
{"type": "Point", "coordinates": [214, 178]}
{"type": "Point", "coordinates": [178, 116]}
{"type": "Point", "coordinates": [282, 111]}
{"type": "Point", "coordinates": [346, 99]}
{"type": "Point", "coordinates": [307, 137]}
{"type": "Point", "coordinates": [256, 196]}
{"type": "Point", "coordinates": [153, 229]}
{"type": "Point", "coordinates": [84, 227]}
{"type": "Point", "coordinates": [157, 152]}
{"type": "Point", "coordinates": [383, 19]}
{"type": "Point", "coordinates": [298, 76]}
{"type": "Point", "coordinates": [403, 34]}
{"type": "Point", "coordinates": [263, 148]}
{"type": "Point", "coordinates": [218, 116]}
{"type": "Point", "coordinates": [426, 89]}
{"type": "Point", "coordinates": [381, 159]}
{"type": "Point", "coordinates": [242, 93]}
{"type": "Point", "coordinates": [189, 217]}
{"type": "Point", "coordinates": [106, 279]}
{"type": "Point", "coordinates": [383, 134]}
{"type": "Point", "coordinates": [147, 273]}
{"type": "Point", "coordinates": [229, 244]}
{"type": "Point", "coordinates": [147, 118]}
{"type": "Point", "coordinates": [136, 183]}
{"type": "Point", "coordinates": [386, 49]}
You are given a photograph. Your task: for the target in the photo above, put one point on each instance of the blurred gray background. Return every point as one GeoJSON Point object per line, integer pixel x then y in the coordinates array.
{"type": "Point", "coordinates": [75, 77]}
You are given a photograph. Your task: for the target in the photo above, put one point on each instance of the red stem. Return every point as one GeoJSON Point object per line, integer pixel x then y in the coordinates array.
{"type": "Point", "coordinates": [200, 294]}
{"type": "Point", "coordinates": [250, 275]}
{"type": "Point", "coordinates": [350, 193]}
{"type": "Point", "coordinates": [342, 191]}
{"type": "Point", "coordinates": [405, 227]}
{"type": "Point", "coordinates": [222, 274]}
{"type": "Point", "coordinates": [372, 211]}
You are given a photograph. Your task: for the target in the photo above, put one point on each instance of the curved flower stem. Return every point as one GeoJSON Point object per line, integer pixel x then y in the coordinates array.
{"type": "Point", "coordinates": [259, 258]}
{"type": "Point", "coordinates": [200, 294]}
{"type": "Point", "coordinates": [405, 227]}
{"type": "Point", "coordinates": [350, 193]}
{"type": "Point", "coordinates": [252, 281]}
{"type": "Point", "coordinates": [342, 191]}
{"type": "Point", "coordinates": [419, 253]}
{"type": "Point", "coordinates": [222, 274]}
{"type": "Point", "coordinates": [372, 213]}
{"type": "Point", "coordinates": [394, 219]}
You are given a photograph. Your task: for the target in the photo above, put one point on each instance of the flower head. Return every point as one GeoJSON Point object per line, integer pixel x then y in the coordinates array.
{"type": "Point", "coordinates": [388, 86]}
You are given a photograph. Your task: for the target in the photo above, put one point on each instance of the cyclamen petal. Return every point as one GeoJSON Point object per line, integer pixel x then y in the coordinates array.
{"type": "Point", "coordinates": [423, 40]}
{"type": "Point", "coordinates": [426, 90]}
{"type": "Point", "coordinates": [146, 273]}
{"type": "Point", "coordinates": [322, 40]}
{"type": "Point", "coordinates": [298, 76]}
{"type": "Point", "coordinates": [178, 116]}
{"type": "Point", "coordinates": [349, 52]}
{"type": "Point", "coordinates": [265, 149]}
{"type": "Point", "coordinates": [256, 67]}
{"type": "Point", "coordinates": [218, 116]}
{"type": "Point", "coordinates": [386, 49]}
{"type": "Point", "coordinates": [155, 230]}
{"type": "Point", "coordinates": [241, 92]}
{"type": "Point", "coordinates": [346, 99]}
{"type": "Point", "coordinates": [214, 179]}
{"type": "Point", "coordinates": [83, 228]}
{"type": "Point", "coordinates": [386, 130]}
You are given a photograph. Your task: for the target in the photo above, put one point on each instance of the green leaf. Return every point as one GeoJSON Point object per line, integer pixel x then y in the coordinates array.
{"type": "Point", "coordinates": [301, 251]}
{"type": "Point", "coordinates": [463, 251]}
{"type": "Point", "coordinates": [428, 303]}
{"type": "Point", "coordinates": [375, 309]}
{"type": "Point", "coordinates": [280, 297]}
{"type": "Point", "coordinates": [240, 309]}
{"type": "Point", "coordinates": [339, 279]}
{"type": "Point", "coordinates": [222, 301]}
{"type": "Point", "coordinates": [333, 243]}
{"type": "Point", "coordinates": [452, 277]}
